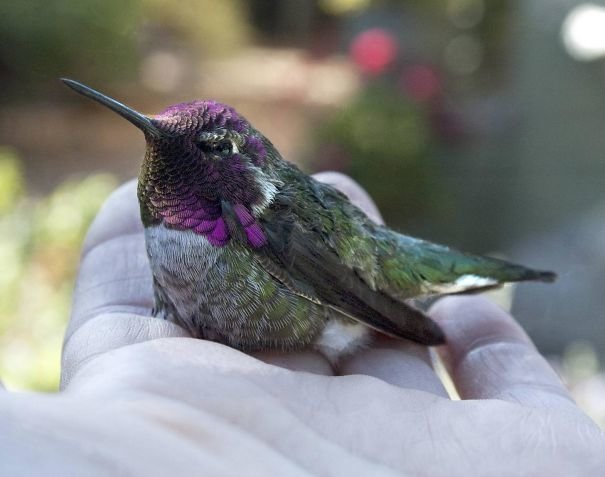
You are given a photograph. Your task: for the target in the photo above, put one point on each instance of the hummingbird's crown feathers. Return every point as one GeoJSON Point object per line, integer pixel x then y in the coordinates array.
{"type": "Point", "coordinates": [201, 114]}
{"type": "Point", "coordinates": [211, 117]}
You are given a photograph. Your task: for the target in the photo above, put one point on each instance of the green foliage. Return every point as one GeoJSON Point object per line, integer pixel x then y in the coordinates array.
{"type": "Point", "coordinates": [11, 180]}
{"type": "Point", "coordinates": [39, 251]}
{"type": "Point", "coordinates": [210, 26]}
{"type": "Point", "coordinates": [42, 40]}
{"type": "Point", "coordinates": [386, 140]}
{"type": "Point", "coordinates": [340, 7]}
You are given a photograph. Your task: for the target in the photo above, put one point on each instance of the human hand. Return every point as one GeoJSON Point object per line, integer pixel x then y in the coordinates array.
{"type": "Point", "coordinates": [141, 397]}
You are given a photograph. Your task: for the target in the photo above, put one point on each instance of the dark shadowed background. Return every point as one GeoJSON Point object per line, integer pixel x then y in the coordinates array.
{"type": "Point", "coordinates": [475, 123]}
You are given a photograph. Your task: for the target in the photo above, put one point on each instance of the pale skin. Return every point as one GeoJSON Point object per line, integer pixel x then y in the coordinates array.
{"type": "Point", "coordinates": [140, 397]}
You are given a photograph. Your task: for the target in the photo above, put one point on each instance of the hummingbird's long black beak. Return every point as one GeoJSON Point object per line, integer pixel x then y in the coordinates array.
{"type": "Point", "coordinates": [139, 120]}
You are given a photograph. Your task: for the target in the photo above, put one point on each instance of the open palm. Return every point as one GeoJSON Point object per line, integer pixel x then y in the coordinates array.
{"type": "Point", "coordinates": [140, 397]}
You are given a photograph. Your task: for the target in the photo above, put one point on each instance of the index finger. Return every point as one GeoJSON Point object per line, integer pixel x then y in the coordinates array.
{"type": "Point", "coordinates": [490, 356]}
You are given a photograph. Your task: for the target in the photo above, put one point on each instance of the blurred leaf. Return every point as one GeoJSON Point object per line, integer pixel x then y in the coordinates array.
{"type": "Point", "coordinates": [39, 250]}
{"type": "Point", "coordinates": [11, 179]}
{"type": "Point", "coordinates": [215, 27]}
{"type": "Point", "coordinates": [341, 7]}
{"type": "Point", "coordinates": [40, 41]}
{"type": "Point", "coordinates": [62, 219]}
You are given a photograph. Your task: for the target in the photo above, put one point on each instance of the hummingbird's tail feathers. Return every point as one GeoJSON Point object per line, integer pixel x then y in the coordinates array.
{"type": "Point", "coordinates": [478, 279]}
{"type": "Point", "coordinates": [501, 270]}
{"type": "Point", "coordinates": [539, 276]}
{"type": "Point", "coordinates": [479, 273]}
{"type": "Point", "coordinates": [529, 275]}
{"type": "Point", "coordinates": [440, 270]}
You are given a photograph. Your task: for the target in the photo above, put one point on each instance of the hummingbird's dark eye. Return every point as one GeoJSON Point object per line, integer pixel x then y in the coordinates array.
{"type": "Point", "coordinates": [220, 147]}
{"type": "Point", "coordinates": [225, 147]}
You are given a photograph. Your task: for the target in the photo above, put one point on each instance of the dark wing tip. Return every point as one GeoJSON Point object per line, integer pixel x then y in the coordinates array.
{"type": "Point", "coordinates": [415, 325]}
{"type": "Point", "coordinates": [434, 335]}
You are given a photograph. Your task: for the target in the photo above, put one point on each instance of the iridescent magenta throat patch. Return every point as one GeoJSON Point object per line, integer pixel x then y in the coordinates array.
{"type": "Point", "coordinates": [205, 218]}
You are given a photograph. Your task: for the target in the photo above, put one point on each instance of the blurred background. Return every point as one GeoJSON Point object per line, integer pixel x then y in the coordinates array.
{"type": "Point", "coordinates": [475, 123]}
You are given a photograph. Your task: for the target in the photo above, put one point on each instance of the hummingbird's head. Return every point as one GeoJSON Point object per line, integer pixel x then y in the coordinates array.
{"type": "Point", "coordinates": [203, 161]}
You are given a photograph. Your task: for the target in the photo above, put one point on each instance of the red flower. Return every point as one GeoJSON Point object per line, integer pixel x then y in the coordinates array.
{"type": "Point", "coordinates": [374, 50]}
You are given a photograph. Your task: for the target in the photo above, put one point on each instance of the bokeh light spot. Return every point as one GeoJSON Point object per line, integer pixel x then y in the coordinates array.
{"type": "Point", "coordinates": [583, 32]}
{"type": "Point", "coordinates": [464, 54]}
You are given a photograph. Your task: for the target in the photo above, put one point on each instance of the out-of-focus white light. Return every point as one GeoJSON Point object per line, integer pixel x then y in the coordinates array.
{"type": "Point", "coordinates": [583, 32]}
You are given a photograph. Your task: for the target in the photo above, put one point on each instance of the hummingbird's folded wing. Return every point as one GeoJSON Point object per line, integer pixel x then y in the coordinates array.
{"type": "Point", "coordinates": [317, 274]}
{"type": "Point", "coordinates": [300, 254]}
{"type": "Point", "coordinates": [326, 249]}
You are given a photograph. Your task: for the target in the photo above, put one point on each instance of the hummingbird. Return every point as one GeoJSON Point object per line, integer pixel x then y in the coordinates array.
{"type": "Point", "coordinates": [247, 250]}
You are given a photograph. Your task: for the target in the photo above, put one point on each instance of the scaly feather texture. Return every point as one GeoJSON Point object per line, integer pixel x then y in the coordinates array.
{"type": "Point", "coordinates": [248, 250]}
